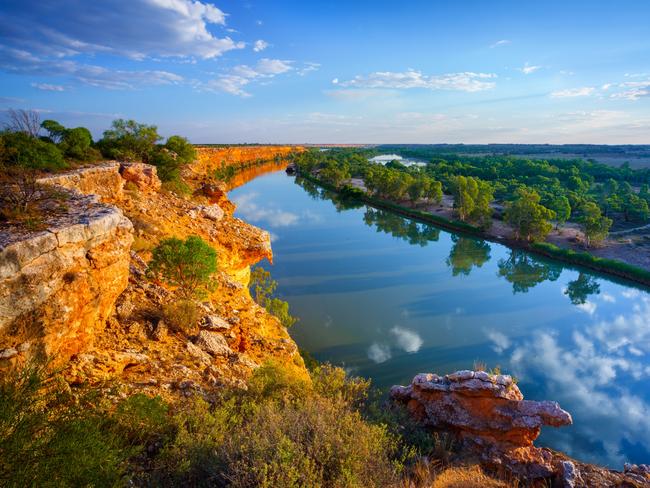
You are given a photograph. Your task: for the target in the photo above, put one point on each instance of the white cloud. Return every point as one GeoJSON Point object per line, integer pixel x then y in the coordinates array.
{"type": "Point", "coordinates": [587, 307]}
{"type": "Point", "coordinates": [308, 67]}
{"type": "Point", "coordinates": [408, 340]}
{"type": "Point", "coordinates": [465, 81]}
{"type": "Point", "coordinates": [584, 91]}
{"type": "Point", "coordinates": [236, 80]}
{"type": "Point", "coordinates": [633, 90]}
{"type": "Point", "coordinates": [260, 45]}
{"type": "Point", "coordinates": [500, 43]}
{"type": "Point", "coordinates": [606, 297]}
{"type": "Point", "coordinates": [136, 29]}
{"type": "Point", "coordinates": [379, 353]}
{"type": "Point", "coordinates": [48, 87]}
{"type": "Point", "coordinates": [500, 341]}
{"type": "Point", "coordinates": [528, 69]}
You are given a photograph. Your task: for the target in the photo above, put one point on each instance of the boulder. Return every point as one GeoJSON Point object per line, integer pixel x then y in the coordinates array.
{"type": "Point", "coordinates": [214, 322]}
{"type": "Point", "coordinates": [144, 176]}
{"type": "Point", "coordinates": [213, 343]}
{"type": "Point", "coordinates": [488, 414]}
{"type": "Point", "coordinates": [210, 212]}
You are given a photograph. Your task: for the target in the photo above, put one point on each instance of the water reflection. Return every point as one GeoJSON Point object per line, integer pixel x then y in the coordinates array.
{"type": "Point", "coordinates": [466, 253]}
{"type": "Point", "coordinates": [525, 271]}
{"type": "Point", "coordinates": [388, 298]}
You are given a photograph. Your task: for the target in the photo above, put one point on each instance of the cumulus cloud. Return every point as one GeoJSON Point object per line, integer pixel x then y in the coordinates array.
{"type": "Point", "coordinates": [48, 87]}
{"type": "Point", "coordinates": [584, 91]}
{"type": "Point", "coordinates": [379, 353]}
{"type": "Point", "coordinates": [238, 78]}
{"type": "Point", "coordinates": [260, 45]}
{"type": "Point", "coordinates": [408, 340]}
{"type": "Point", "coordinates": [528, 69]}
{"type": "Point", "coordinates": [466, 81]}
{"type": "Point", "coordinates": [136, 29]}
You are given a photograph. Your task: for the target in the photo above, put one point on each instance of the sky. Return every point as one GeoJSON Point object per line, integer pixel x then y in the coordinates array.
{"type": "Point", "coordinates": [434, 71]}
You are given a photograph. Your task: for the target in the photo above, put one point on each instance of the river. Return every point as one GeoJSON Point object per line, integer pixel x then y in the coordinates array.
{"type": "Point", "coordinates": [387, 298]}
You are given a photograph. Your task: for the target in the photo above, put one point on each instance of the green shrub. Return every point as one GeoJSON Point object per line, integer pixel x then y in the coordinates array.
{"type": "Point", "coordinates": [188, 264]}
{"type": "Point", "coordinates": [49, 437]}
{"type": "Point", "coordinates": [181, 316]}
{"type": "Point", "coordinates": [282, 432]}
{"type": "Point", "coordinates": [21, 149]}
{"type": "Point", "coordinates": [181, 147]}
{"type": "Point", "coordinates": [129, 140]}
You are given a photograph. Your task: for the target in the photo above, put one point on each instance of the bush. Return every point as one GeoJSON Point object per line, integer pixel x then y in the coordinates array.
{"type": "Point", "coordinates": [129, 140]}
{"type": "Point", "coordinates": [181, 316]}
{"type": "Point", "coordinates": [50, 438]}
{"type": "Point", "coordinates": [186, 264]}
{"type": "Point", "coordinates": [282, 432]}
{"type": "Point", "coordinates": [21, 149]}
{"type": "Point", "coordinates": [181, 147]}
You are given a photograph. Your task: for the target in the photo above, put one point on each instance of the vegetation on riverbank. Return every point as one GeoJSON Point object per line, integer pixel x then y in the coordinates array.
{"type": "Point", "coordinates": [530, 219]}
{"type": "Point", "coordinates": [282, 431]}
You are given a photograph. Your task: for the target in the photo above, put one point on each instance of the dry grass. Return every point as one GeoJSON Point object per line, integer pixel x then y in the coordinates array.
{"type": "Point", "coordinates": [432, 475]}
{"type": "Point", "coordinates": [467, 477]}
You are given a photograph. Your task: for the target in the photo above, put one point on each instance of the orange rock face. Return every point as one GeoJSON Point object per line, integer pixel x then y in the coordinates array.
{"type": "Point", "coordinates": [488, 414]}
{"type": "Point", "coordinates": [210, 159]}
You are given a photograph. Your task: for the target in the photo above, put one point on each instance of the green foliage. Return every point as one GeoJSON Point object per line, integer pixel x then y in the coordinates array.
{"type": "Point", "coordinates": [21, 149]}
{"type": "Point", "coordinates": [181, 147]}
{"type": "Point", "coordinates": [263, 288]}
{"type": "Point", "coordinates": [181, 316]}
{"type": "Point", "coordinates": [188, 264]}
{"type": "Point", "coordinates": [50, 438]}
{"type": "Point", "coordinates": [129, 140]}
{"type": "Point", "coordinates": [282, 432]}
{"type": "Point", "coordinates": [594, 224]}
{"type": "Point", "coordinates": [562, 208]}
{"type": "Point", "coordinates": [168, 167]}
{"type": "Point", "coordinates": [528, 217]}
{"type": "Point", "coordinates": [525, 271]}
{"type": "Point", "coordinates": [472, 198]}
{"type": "Point", "coordinates": [54, 129]}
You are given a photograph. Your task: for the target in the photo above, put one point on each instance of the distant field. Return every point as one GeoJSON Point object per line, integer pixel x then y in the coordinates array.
{"type": "Point", "coordinates": [638, 156]}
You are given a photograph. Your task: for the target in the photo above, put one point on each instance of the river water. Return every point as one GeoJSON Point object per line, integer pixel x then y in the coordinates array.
{"type": "Point", "coordinates": [387, 298]}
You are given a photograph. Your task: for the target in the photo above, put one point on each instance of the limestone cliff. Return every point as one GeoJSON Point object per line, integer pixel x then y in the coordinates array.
{"type": "Point", "coordinates": [59, 285]}
{"type": "Point", "coordinates": [210, 159]}
{"type": "Point", "coordinates": [78, 293]}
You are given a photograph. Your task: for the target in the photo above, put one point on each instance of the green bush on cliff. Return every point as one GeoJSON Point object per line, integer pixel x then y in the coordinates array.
{"type": "Point", "coordinates": [188, 264]}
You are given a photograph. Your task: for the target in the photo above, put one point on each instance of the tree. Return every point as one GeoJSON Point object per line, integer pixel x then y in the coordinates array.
{"type": "Point", "coordinates": [594, 225]}
{"type": "Point", "coordinates": [560, 205]}
{"type": "Point", "coordinates": [130, 140]}
{"type": "Point", "coordinates": [528, 217]}
{"type": "Point", "coordinates": [76, 144]}
{"type": "Point", "coordinates": [26, 121]}
{"type": "Point", "coordinates": [19, 149]}
{"type": "Point", "coordinates": [187, 264]}
{"type": "Point", "coordinates": [185, 152]}
{"type": "Point", "coordinates": [433, 191]}
{"type": "Point", "coordinates": [54, 130]}
{"type": "Point", "coordinates": [472, 198]}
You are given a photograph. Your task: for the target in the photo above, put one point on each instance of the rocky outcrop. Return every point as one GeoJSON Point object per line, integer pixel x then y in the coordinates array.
{"type": "Point", "coordinates": [58, 286]}
{"type": "Point", "coordinates": [143, 176]}
{"type": "Point", "coordinates": [103, 180]}
{"type": "Point", "coordinates": [488, 415]}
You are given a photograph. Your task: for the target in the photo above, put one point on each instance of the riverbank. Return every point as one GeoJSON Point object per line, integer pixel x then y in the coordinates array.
{"type": "Point", "coordinates": [572, 257]}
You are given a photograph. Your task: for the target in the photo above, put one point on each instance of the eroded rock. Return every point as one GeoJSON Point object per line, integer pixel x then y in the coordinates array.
{"type": "Point", "coordinates": [213, 343]}
{"type": "Point", "coordinates": [488, 414]}
{"type": "Point", "coordinates": [144, 176]}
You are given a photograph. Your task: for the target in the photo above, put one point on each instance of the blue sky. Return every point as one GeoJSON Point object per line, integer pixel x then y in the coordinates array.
{"type": "Point", "coordinates": [337, 71]}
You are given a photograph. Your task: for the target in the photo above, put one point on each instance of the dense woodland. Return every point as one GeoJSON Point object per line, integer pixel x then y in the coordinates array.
{"type": "Point", "coordinates": [532, 195]}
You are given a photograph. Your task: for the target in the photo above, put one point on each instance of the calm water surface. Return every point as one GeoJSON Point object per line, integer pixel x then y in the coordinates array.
{"type": "Point", "coordinates": [388, 298]}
